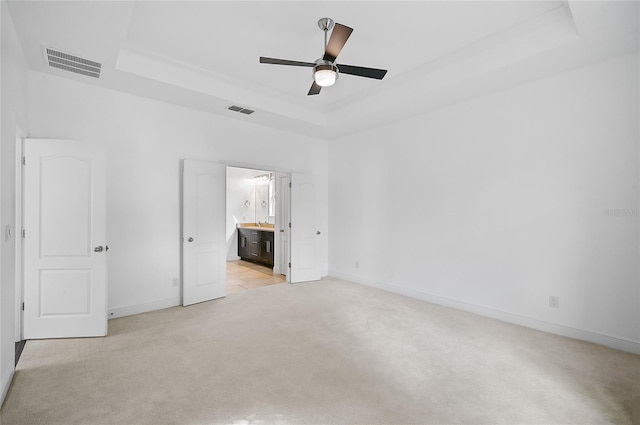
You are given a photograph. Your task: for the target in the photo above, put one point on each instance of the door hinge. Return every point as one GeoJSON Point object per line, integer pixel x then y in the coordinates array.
{"type": "Point", "coordinates": [289, 184]}
{"type": "Point", "coordinates": [289, 225]}
{"type": "Point", "coordinates": [22, 306]}
{"type": "Point", "coordinates": [24, 160]}
{"type": "Point", "coordinates": [23, 233]}
{"type": "Point", "coordinates": [289, 267]}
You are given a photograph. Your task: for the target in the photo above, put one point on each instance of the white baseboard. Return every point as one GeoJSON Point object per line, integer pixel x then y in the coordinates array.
{"type": "Point", "coordinates": [144, 308]}
{"type": "Point", "coordinates": [6, 384]}
{"type": "Point", "coordinates": [554, 328]}
{"type": "Point", "coordinates": [233, 258]}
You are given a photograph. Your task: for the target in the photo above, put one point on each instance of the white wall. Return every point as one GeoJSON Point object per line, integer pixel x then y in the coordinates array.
{"type": "Point", "coordinates": [240, 188]}
{"type": "Point", "coordinates": [145, 140]}
{"type": "Point", "coordinates": [13, 114]}
{"type": "Point", "coordinates": [495, 204]}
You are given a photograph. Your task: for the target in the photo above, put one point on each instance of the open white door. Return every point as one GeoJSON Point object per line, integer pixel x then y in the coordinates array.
{"type": "Point", "coordinates": [304, 230]}
{"type": "Point", "coordinates": [204, 269]}
{"type": "Point", "coordinates": [65, 285]}
{"type": "Point", "coordinates": [283, 209]}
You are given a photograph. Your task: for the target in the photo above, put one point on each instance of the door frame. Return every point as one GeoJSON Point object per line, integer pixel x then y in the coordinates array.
{"type": "Point", "coordinates": [17, 232]}
{"type": "Point", "coordinates": [254, 166]}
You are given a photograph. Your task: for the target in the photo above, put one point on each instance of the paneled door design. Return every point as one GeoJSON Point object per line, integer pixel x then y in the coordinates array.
{"type": "Point", "coordinates": [65, 285]}
{"type": "Point", "coordinates": [304, 231]}
{"type": "Point", "coordinates": [204, 256]}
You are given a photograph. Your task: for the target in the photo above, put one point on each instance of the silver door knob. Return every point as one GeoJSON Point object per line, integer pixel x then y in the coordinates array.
{"type": "Point", "coordinates": [99, 248]}
{"type": "Point", "coordinates": [190, 239]}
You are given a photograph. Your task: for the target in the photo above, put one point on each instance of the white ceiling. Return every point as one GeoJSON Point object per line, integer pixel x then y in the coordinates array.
{"type": "Point", "coordinates": [204, 54]}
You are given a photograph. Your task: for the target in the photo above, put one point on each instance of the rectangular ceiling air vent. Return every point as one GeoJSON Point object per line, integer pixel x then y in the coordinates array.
{"type": "Point", "coordinates": [240, 109]}
{"type": "Point", "coordinates": [68, 62]}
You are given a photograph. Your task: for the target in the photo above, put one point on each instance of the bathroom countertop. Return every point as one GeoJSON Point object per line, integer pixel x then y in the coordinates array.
{"type": "Point", "coordinates": [254, 226]}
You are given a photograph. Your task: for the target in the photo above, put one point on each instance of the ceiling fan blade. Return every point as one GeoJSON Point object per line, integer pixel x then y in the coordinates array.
{"type": "Point", "coordinates": [339, 36]}
{"type": "Point", "coordinates": [315, 89]}
{"type": "Point", "coordinates": [360, 71]}
{"type": "Point", "coordinates": [285, 62]}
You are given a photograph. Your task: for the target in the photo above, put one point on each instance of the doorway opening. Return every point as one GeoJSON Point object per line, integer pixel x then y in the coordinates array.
{"type": "Point", "coordinates": [257, 231]}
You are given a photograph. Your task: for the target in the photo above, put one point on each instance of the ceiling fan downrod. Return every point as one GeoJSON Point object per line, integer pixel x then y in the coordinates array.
{"type": "Point", "coordinates": [326, 25]}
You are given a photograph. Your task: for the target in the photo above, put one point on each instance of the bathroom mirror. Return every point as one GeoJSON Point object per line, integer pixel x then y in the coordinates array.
{"type": "Point", "coordinates": [272, 197]}
{"type": "Point", "coordinates": [262, 198]}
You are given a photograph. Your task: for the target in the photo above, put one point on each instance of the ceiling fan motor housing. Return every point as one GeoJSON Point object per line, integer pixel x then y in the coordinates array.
{"type": "Point", "coordinates": [322, 64]}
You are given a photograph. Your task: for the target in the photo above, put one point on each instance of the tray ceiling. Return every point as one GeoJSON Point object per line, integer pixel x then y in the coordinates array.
{"type": "Point", "coordinates": [204, 54]}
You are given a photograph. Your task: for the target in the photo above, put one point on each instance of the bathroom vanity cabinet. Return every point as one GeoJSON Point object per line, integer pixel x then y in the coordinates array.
{"type": "Point", "coordinates": [256, 245]}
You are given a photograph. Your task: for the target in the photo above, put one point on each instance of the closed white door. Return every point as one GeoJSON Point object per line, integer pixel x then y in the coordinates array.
{"type": "Point", "coordinates": [304, 230]}
{"type": "Point", "coordinates": [204, 270]}
{"type": "Point", "coordinates": [65, 285]}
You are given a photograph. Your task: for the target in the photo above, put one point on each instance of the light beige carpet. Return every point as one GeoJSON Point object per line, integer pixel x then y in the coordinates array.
{"type": "Point", "coordinates": [329, 352]}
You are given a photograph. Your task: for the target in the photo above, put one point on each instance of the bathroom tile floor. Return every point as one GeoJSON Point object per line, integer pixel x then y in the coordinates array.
{"type": "Point", "coordinates": [244, 275]}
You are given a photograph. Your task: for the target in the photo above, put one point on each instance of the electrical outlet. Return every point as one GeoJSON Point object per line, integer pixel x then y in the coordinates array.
{"type": "Point", "coordinates": [357, 264]}
{"type": "Point", "coordinates": [554, 302]}
{"type": "Point", "coordinates": [176, 281]}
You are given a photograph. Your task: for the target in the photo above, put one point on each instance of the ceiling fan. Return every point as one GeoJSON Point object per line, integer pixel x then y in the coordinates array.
{"type": "Point", "coordinates": [325, 70]}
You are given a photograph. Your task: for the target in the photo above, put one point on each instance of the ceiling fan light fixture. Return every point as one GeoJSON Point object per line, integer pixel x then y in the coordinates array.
{"type": "Point", "coordinates": [325, 75]}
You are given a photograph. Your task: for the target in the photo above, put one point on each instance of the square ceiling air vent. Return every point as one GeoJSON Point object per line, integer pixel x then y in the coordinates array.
{"type": "Point", "coordinates": [72, 63]}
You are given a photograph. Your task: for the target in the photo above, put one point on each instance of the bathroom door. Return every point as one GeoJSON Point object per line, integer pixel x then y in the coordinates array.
{"type": "Point", "coordinates": [304, 229]}
{"type": "Point", "coordinates": [204, 270]}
